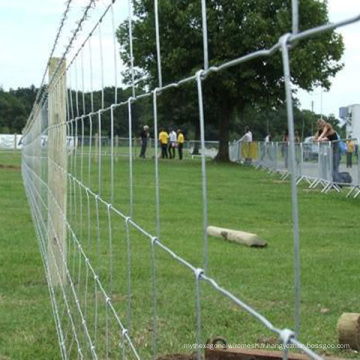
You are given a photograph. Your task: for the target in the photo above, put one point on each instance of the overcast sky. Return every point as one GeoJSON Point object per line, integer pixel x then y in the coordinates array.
{"type": "Point", "coordinates": [28, 29]}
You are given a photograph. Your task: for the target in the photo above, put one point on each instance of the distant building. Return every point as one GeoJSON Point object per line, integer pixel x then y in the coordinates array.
{"type": "Point", "coordinates": [351, 119]}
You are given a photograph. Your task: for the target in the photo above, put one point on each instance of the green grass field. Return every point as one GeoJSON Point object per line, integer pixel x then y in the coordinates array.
{"type": "Point", "coordinates": [26, 320]}
{"type": "Point", "coordinates": [239, 198]}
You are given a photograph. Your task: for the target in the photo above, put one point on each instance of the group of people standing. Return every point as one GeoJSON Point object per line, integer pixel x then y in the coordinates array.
{"type": "Point", "coordinates": [168, 142]}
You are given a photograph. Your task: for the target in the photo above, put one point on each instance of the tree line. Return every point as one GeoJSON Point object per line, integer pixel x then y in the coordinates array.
{"type": "Point", "coordinates": [16, 105]}
{"type": "Point", "coordinates": [15, 108]}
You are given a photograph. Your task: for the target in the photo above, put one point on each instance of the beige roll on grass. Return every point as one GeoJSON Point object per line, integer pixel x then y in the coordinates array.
{"type": "Point", "coordinates": [237, 236]}
{"type": "Point", "coordinates": [348, 328]}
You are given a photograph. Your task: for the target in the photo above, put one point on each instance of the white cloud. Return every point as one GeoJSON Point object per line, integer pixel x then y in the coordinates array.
{"type": "Point", "coordinates": [341, 10]}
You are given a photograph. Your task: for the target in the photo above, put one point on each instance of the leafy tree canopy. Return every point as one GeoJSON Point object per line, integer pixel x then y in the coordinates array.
{"type": "Point", "coordinates": [13, 113]}
{"type": "Point", "coordinates": [235, 28]}
{"type": "Point", "coordinates": [15, 107]}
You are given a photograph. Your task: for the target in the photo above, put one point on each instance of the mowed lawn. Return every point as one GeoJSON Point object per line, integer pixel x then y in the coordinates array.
{"type": "Point", "coordinates": [239, 198]}
{"type": "Point", "coordinates": [26, 322]}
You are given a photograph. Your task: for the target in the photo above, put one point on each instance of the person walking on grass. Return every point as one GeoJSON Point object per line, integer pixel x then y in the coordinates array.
{"type": "Point", "coordinates": [163, 139]}
{"type": "Point", "coordinates": [246, 141]}
{"type": "Point", "coordinates": [180, 143]}
{"type": "Point", "coordinates": [144, 135]}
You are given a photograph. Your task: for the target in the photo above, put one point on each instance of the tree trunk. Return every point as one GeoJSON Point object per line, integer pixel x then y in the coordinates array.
{"type": "Point", "coordinates": [197, 137]}
{"type": "Point", "coordinates": [224, 120]}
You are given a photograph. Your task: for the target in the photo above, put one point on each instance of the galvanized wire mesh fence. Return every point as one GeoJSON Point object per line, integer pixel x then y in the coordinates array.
{"type": "Point", "coordinates": [96, 239]}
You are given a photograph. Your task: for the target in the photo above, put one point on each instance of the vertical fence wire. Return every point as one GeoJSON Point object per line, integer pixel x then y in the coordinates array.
{"type": "Point", "coordinates": [156, 160]}
{"type": "Point", "coordinates": [158, 52]}
{"type": "Point", "coordinates": [115, 55]}
{"type": "Point", "coordinates": [154, 289]}
{"type": "Point", "coordinates": [130, 19]}
{"type": "Point", "coordinates": [205, 34]}
{"type": "Point", "coordinates": [294, 195]}
{"type": "Point", "coordinates": [203, 171]}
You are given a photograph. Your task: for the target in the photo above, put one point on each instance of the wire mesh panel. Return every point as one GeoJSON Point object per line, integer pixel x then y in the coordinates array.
{"type": "Point", "coordinates": [325, 162]}
{"type": "Point", "coordinates": [348, 162]}
{"type": "Point", "coordinates": [267, 155]}
{"type": "Point", "coordinates": [194, 148]}
{"type": "Point", "coordinates": [319, 163]}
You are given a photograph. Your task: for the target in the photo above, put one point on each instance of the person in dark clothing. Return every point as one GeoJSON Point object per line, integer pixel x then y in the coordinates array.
{"type": "Point", "coordinates": [144, 135]}
{"type": "Point", "coordinates": [327, 133]}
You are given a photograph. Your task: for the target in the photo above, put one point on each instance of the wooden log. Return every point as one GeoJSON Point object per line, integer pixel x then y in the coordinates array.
{"type": "Point", "coordinates": [240, 237]}
{"type": "Point", "coordinates": [348, 328]}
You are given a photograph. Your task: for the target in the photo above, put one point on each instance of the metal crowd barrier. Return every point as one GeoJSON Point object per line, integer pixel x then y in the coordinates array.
{"type": "Point", "coordinates": [319, 164]}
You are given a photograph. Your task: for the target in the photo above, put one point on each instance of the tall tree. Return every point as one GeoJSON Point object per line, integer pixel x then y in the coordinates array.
{"type": "Point", "coordinates": [13, 114]}
{"type": "Point", "coordinates": [235, 28]}
{"type": "Point", "coordinates": [26, 95]}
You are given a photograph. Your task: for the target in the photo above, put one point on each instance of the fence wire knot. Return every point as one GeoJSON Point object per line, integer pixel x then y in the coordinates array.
{"type": "Point", "coordinates": [284, 40]}
{"type": "Point", "coordinates": [286, 335]}
{"type": "Point", "coordinates": [198, 273]}
{"type": "Point", "coordinates": [200, 74]}
{"type": "Point", "coordinates": [154, 240]}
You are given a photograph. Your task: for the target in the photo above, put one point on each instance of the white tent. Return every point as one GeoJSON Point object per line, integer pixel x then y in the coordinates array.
{"type": "Point", "coordinates": [10, 142]}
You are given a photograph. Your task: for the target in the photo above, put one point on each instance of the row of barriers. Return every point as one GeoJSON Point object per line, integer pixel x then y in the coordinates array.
{"type": "Point", "coordinates": [319, 164]}
{"type": "Point", "coordinates": [330, 165]}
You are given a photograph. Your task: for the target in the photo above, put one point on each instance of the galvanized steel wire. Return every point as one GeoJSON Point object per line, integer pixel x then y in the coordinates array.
{"type": "Point", "coordinates": [74, 313]}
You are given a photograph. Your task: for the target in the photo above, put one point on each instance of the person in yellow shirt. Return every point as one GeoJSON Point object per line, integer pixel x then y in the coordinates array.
{"type": "Point", "coordinates": [163, 139]}
{"type": "Point", "coordinates": [180, 143]}
{"type": "Point", "coordinates": [350, 149]}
